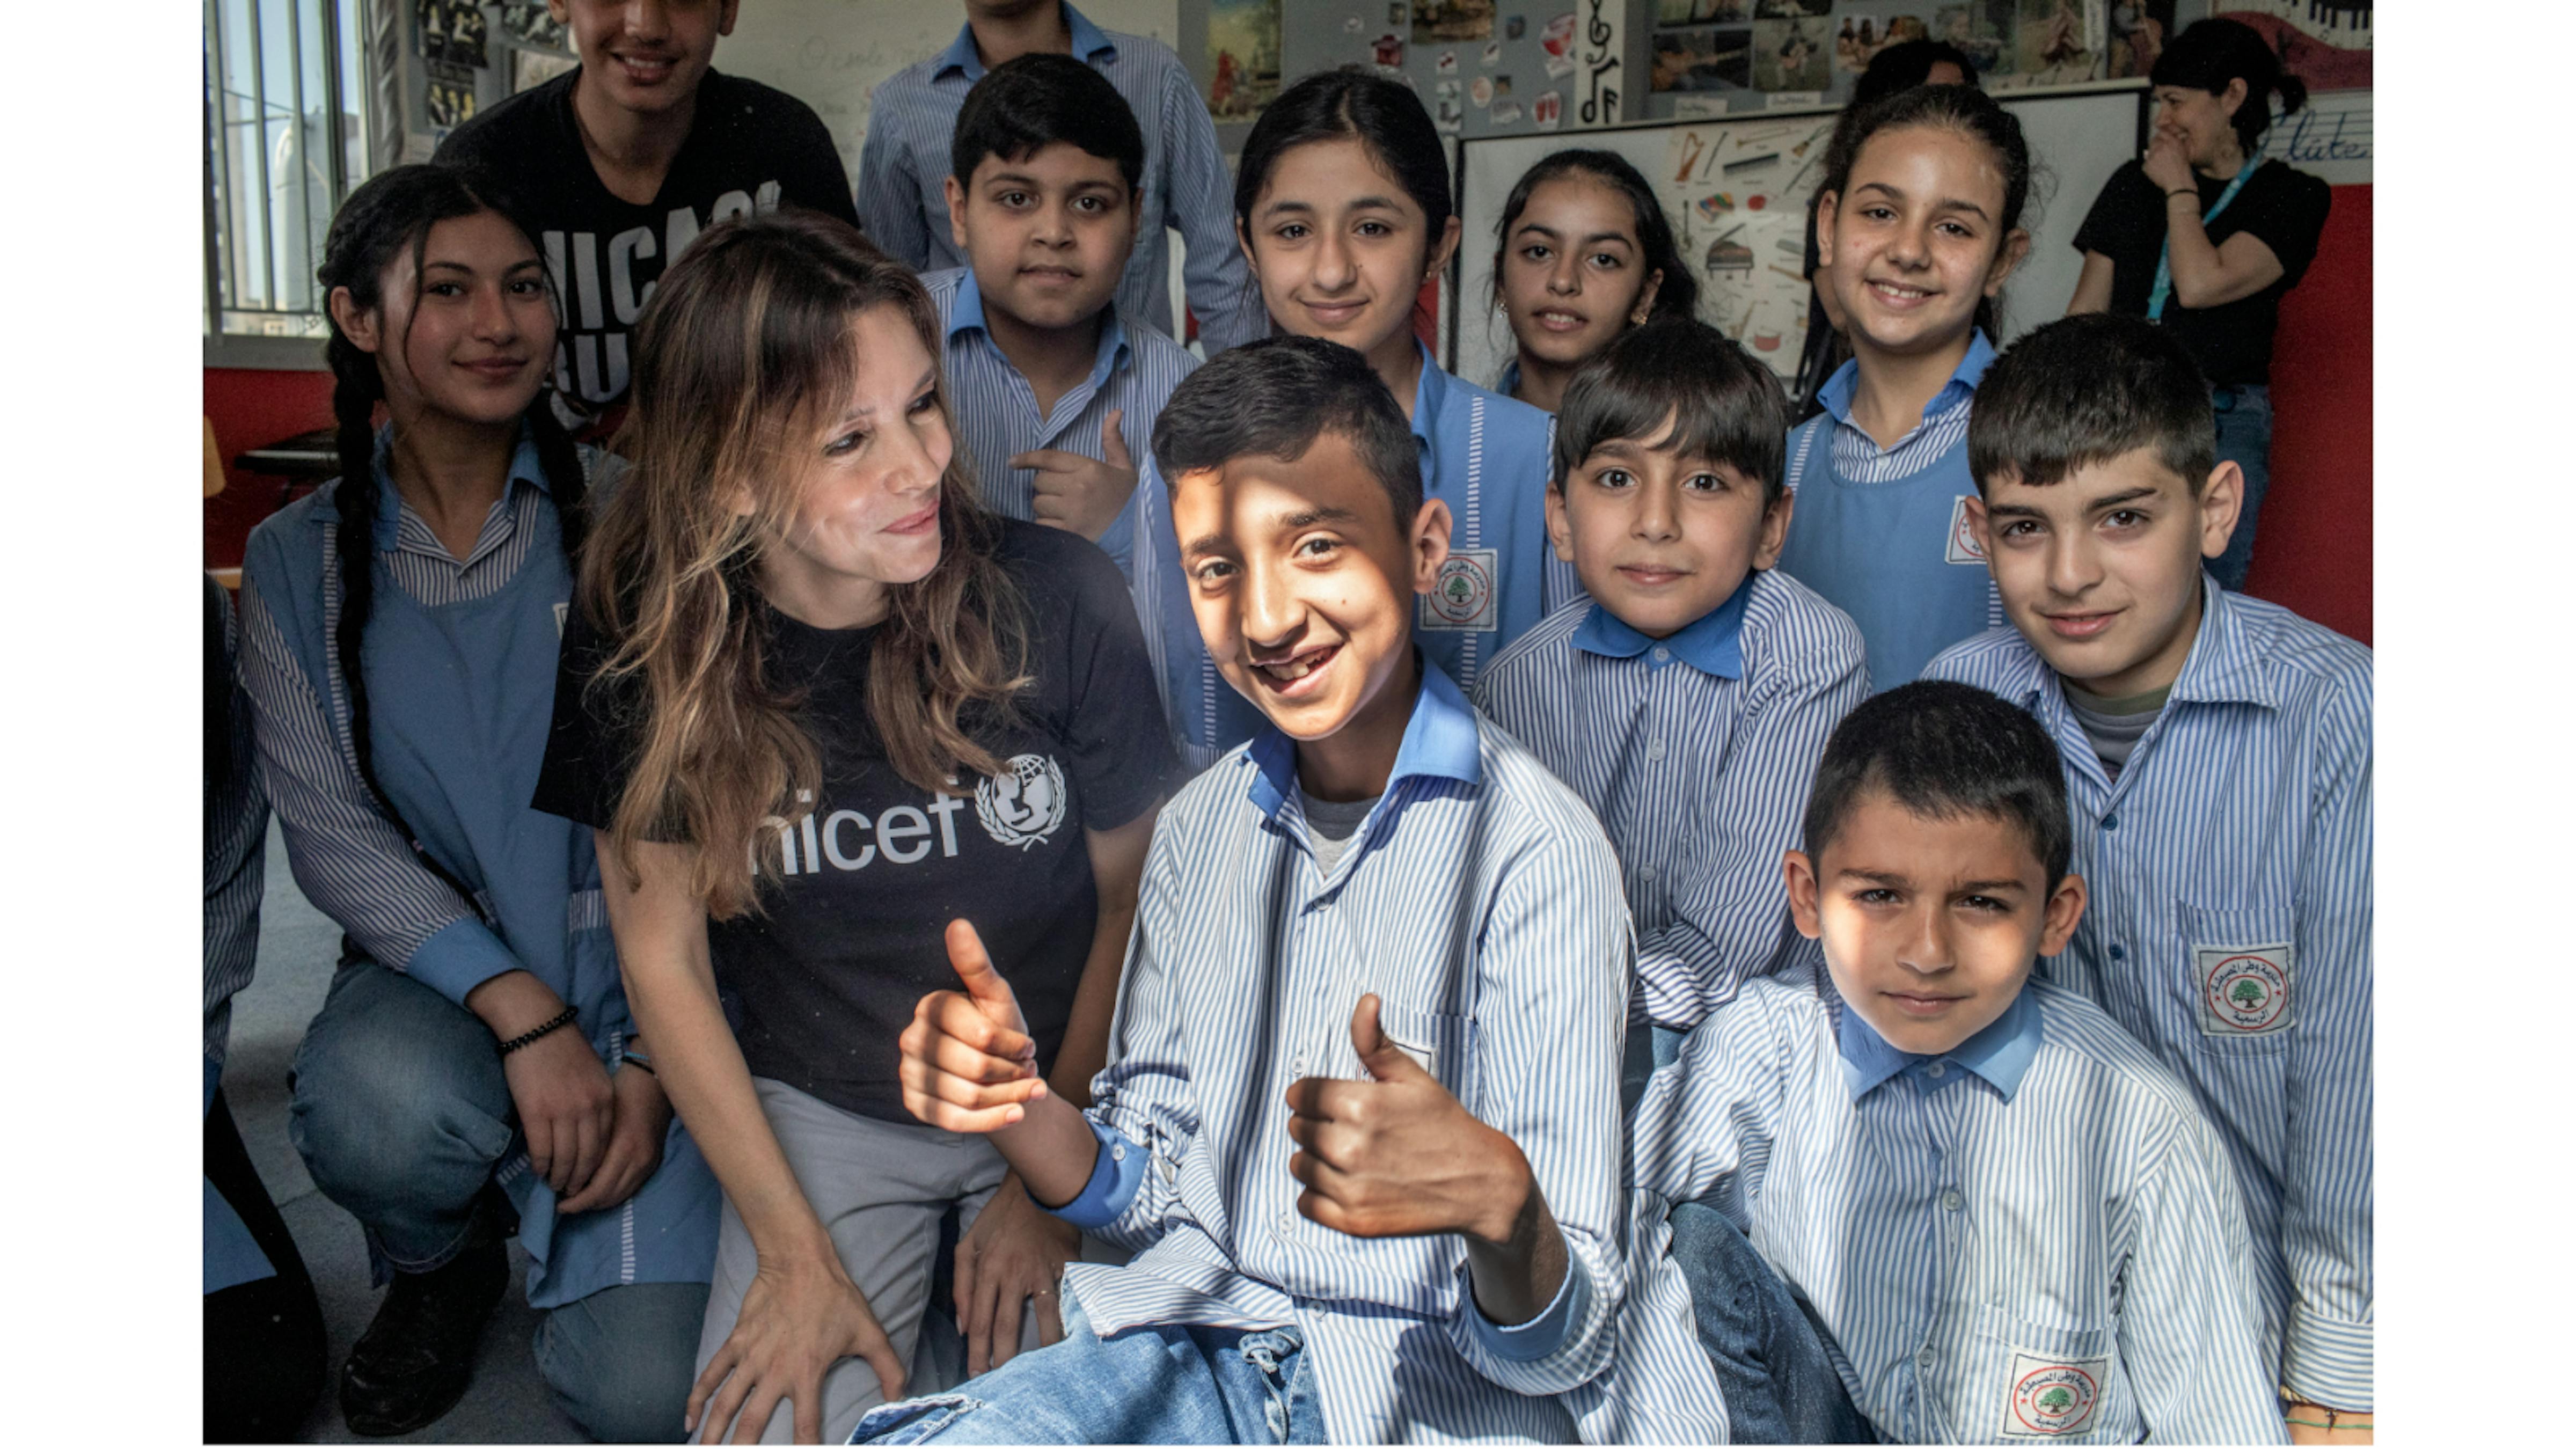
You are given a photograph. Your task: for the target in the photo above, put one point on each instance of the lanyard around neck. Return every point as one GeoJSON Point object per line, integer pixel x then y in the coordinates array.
{"type": "Point", "coordinates": [2164, 254]}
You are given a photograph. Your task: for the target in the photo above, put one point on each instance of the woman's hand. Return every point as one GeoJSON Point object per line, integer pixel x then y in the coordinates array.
{"type": "Point", "coordinates": [634, 1143]}
{"type": "Point", "coordinates": [2169, 168]}
{"type": "Point", "coordinates": [796, 1322]}
{"type": "Point", "coordinates": [1015, 1253]}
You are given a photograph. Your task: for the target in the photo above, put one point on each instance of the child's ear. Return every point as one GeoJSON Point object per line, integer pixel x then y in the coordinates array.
{"type": "Point", "coordinates": [956, 212]}
{"type": "Point", "coordinates": [2221, 499]}
{"type": "Point", "coordinates": [1429, 544]}
{"type": "Point", "coordinates": [1805, 909]}
{"type": "Point", "coordinates": [1827, 204]}
{"type": "Point", "coordinates": [355, 322]}
{"type": "Point", "coordinates": [2016, 246]}
{"type": "Point", "coordinates": [1775, 529]}
{"type": "Point", "coordinates": [1979, 526]}
{"type": "Point", "coordinates": [1439, 259]}
{"type": "Point", "coordinates": [2065, 908]}
{"type": "Point", "coordinates": [1645, 307]}
{"type": "Point", "coordinates": [1560, 527]}
{"type": "Point", "coordinates": [1243, 239]}
{"type": "Point", "coordinates": [725, 18]}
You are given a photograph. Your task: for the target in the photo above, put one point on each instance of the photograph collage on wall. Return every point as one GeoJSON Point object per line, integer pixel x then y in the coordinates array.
{"type": "Point", "coordinates": [1481, 67]}
{"type": "Point", "coordinates": [1722, 56]}
{"type": "Point", "coordinates": [1243, 57]}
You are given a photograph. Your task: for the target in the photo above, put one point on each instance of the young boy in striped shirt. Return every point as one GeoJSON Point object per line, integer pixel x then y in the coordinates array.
{"type": "Point", "coordinates": [2218, 764]}
{"type": "Point", "coordinates": [1688, 698]}
{"type": "Point", "coordinates": [1919, 1196]}
{"type": "Point", "coordinates": [1055, 387]}
{"type": "Point", "coordinates": [1360, 1120]}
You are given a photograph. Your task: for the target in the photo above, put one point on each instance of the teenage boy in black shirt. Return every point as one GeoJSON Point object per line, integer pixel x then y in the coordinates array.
{"type": "Point", "coordinates": [623, 161]}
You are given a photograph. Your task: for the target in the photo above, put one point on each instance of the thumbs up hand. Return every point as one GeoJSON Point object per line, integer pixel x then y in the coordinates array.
{"type": "Point", "coordinates": [969, 1064]}
{"type": "Point", "coordinates": [1397, 1156]}
{"type": "Point", "coordinates": [1079, 494]}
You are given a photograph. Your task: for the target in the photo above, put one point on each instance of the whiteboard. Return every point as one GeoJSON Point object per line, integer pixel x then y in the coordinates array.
{"type": "Point", "coordinates": [2077, 139]}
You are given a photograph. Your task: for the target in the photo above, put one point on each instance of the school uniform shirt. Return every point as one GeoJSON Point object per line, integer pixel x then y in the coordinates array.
{"type": "Point", "coordinates": [1697, 751]}
{"type": "Point", "coordinates": [904, 166]}
{"type": "Point", "coordinates": [823, 979]}
{"type": "Point", "coordinates": [2232, 342]}
{"type": "Point", "coordinates": [1133, 372]}
{"type": "Point", "coordinates": [1481, 903]}
{"type": "Point", "coordinates": [1483, 454]}
{"type": "Point", "coordinates": [2035, 1236]}
{"type": "Point", "coordinates": [750, 150]}
{"type": "Point", "coordinates": [1883, 533]}
{"type": "Point", "coordinates": [2227, 926]}
{"type": "Point", "coordinates": [236, 833]}
{"type": "Point", "coordinates": [460, 676]}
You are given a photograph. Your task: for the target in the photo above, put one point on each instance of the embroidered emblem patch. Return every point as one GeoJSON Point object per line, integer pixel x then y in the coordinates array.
{"type": "Point", "coordinates": [2243, 990]}
{"type": "Point", "coordinates": [1465, 599]}
{"type": "Point", "coordinates": [1024, 804]}
{"type": "Point", "coordinates": [1963, 547]}
{"type": "Point", "coordinates": [2052, 1398]}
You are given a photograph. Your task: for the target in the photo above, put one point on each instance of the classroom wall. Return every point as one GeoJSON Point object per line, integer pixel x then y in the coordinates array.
{"type": "Point", "coordinates": [2312, 552]}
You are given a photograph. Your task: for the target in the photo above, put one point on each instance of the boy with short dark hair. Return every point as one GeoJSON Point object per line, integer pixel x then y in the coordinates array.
{"type": "Point", "coordinates": [623, 161]}
{"type": "Point", "coordinates": [2218, 764]}
{"type": "Point", "coordinates": [1360, 1117]}
{"type": "Point", "coordinates": [1688, 697]}
{"type": "Point", "coordinates": [1184, 184]}
{"type": "Point", "coordinates": [1056, 388]}
{"type": "Point", "coordinates": [1918, 1196]}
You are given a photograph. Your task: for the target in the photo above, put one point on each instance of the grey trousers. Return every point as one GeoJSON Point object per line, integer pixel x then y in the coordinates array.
{"type": "Point", "coordinates": [881, 1189]}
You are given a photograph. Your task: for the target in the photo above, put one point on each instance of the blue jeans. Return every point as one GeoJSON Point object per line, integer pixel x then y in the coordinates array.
{"type": "Point", "coordinates": [1157, 1384]}
{"type": "Point", "coordinates": [1650, 1049]}
{"type": "Point", "coordinates": [1770, 1359]}
{"type": "Point", "coordinates": [401, 1113]}
{"type": "Point", "coordinates": [2244, 417]}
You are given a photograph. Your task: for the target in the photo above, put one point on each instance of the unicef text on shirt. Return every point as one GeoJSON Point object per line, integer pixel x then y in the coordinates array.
{"type": "Point", "coordinates": [848, 840]}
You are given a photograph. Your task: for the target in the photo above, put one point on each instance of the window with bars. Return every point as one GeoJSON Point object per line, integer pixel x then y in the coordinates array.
{"type": "Point", "coordinates": [286, 139]}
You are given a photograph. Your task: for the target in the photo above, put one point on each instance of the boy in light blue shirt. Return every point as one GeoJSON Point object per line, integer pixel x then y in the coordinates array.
{"type": "Point", "coordinates": [1688, 699]}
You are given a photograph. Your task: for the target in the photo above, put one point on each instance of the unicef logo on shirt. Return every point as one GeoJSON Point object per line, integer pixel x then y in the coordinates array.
{"type": "Point", "coordinates": [1024, 804]}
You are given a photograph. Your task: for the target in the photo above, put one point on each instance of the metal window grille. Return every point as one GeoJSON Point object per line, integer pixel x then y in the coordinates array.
{"type": "Point", "coordinates": [285, 141]}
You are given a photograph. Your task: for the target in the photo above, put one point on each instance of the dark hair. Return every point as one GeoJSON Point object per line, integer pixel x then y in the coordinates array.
{"type": "Point", "coordinates": [1025, 105]}
{"type": "Point", "coordinates": [2210, 53]}
{"type": "Point", "coordinates": [2084, 390]}
{"type": "Point", "coordinates": [1964, 109]}
{"type": "Point", "coordinates": [1905, 65]}
{"type": "Point", "coordinates": [1942, 750]}
{"type": "Point", "coordinates": [1273, 398]}
{"type": "Point", "coordinates": [1386, 117]}
{"type": "Point", "coordinates": [390, 214]}
{"type": "Point", "coordinates": [1724, 406]}
{"type": "Point", "coordinates": [1677, 295]}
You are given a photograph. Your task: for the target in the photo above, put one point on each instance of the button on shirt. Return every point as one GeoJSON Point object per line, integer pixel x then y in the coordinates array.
{"type": "Point", "coordinates": [904, 167]}
{"type": "Point", "coordinates": [1697, 752]}
{"type": "Point", "coordinates": [1245, 967]}
{"type": "Point", "coordinates": [2227, 926]}
{"type": "Point", "coordinates": [2035, 1236]}
{"type": "Point", "coordinates": [1133, 372]}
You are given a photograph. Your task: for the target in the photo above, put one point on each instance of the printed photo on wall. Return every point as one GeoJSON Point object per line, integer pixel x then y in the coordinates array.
{"type": "Point", "coordinates": [1703, 59]}
{"type": "Point", "coordinates": [2056, 43]}
{"type": "Point", "coordinates": [1243, 57]}
{"type": "Point", "coordinates": [1702, 12]}
{"type": "Point", "coordinates": [2137, 36]}
{"type": "Point", "coordinates": [1452, 20]}
{"type": "Point", "coordinates": [527, 22]}
{"type": "Point", "coordinates": [1791, 9]}
{"type": "Point", "coordinates": [1860, 41]}
{"type": "Point", "coordinates": [451, 32]}
{"type": "Point", "coordinates": [1978, 28]}
{"type": "Point", "coordinates": [1791, 55]}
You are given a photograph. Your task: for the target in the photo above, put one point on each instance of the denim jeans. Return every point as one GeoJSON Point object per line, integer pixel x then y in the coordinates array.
{"type": "Point", "coordinates": [2245, 439]}
{"type": "Point", "coordinates": [1157, 1384]}
{"type": "Point", "coordinates": [1650, 1049]}
{"type": "Point", "coordinates": [620, 1361]}
{"type": "Point", "coordinates": [1770, 1359]}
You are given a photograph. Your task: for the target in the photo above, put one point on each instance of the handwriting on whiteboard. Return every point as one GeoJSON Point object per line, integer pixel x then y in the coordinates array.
{"type": "Point", "coordinates": [2330, 136]}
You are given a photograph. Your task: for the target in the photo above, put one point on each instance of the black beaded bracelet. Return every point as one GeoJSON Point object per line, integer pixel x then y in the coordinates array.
{"type": "Point", "coordinates": [560, 1019]}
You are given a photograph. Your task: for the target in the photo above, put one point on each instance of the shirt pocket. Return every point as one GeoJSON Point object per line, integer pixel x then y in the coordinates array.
{"type": "Point", "coordinates": [1440, 1042]}
{"type": "Point", "coordinates": [2237, 980]}
{"type": "Point", "coordinates": [2036, 1382]}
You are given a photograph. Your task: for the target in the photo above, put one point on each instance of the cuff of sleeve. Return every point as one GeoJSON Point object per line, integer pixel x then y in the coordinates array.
{"type": "Point", "coordinates": [2328, 1361]}
{"type": "Point", "coordinates": [1541, 1336]}
{"type": "Point", "coordinates": [1115, 1175]}
{"type": "Point", "coordinates": [463, 955]}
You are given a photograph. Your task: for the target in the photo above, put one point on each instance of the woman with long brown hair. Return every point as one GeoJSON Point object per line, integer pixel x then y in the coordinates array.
{"type": "Point", "coordinates": [818, 703]}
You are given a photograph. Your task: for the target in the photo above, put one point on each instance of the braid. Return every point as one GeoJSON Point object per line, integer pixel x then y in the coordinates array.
{"type": "Point", "coordinates": [561, 461]}
{"type": "Point", "coordinates": [353, 405]}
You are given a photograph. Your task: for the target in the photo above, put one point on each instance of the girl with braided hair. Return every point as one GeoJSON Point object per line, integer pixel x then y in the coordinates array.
{"type": "Point", "coordinates": [475, 1064]}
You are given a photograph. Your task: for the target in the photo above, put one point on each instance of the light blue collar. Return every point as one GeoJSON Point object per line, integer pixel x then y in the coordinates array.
{"type": "Point", "coordinates": [525, 467]}
{"type": "Point", "coordinates": [1713, 643]}
{"type": "Point", "coordinates": [2002, 1053]}
{"type": "Point", "coordinates": [966, 313]}
{"type": "Point", "coordinates": [1836, 394]}
{"type": "Point", "coordinates": [1088, 44]}
{"type": "Point", "coordinates": [1439, 740]}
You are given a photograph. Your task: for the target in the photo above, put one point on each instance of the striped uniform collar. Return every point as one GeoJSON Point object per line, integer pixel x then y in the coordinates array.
{"type": "Point", "coordinates": [1713, 643]}
{"type": "Point", "coordinates": [2001, 1053]}
{"type": "Point", "coordinates": [1439, 741]}
{"type": "Point", "coordinates": [1836, 394]}
{"type": "Point", "coordinates": [525, 467]}
{"type": "Point", "coordinates": [2225, 665]}
{"type": "Point", "coordinates": [966, 314]}
{"type": "Point", "coordinates": [1089, 44]}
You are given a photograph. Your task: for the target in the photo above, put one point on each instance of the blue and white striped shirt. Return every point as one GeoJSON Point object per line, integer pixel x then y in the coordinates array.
{"type": "Point", "coordinates": [2229, 929]}
{"type": "Point", "coordinates": [904, 167]}
{"type": "Point", "coordinates": [1700, 773]}
{"type": "Point", "coordinates": [1481, 903]}
{"type": "Point", "coordinates": [236, 838]}
{"type": "Point", "coordinates": [2035, 1236]}
{"type": "Point", "coordinates": [997, 418]}
{"type": "Point", "coordinates": [1857, 455]}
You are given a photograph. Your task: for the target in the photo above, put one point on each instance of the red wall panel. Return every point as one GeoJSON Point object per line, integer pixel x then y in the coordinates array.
{"type": "Point", "coordinates": [252, 407]}
{"type": "Point", "coordinates": [2312, 551]}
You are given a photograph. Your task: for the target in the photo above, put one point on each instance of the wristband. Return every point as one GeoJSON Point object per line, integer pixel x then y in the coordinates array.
{"type": "Point", "coordinates": [2182, 191]}
{"type": "Point", "coordinates": [558, 1020]}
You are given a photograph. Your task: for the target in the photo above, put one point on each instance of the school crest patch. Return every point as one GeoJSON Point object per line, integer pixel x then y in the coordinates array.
{"type": "Point", "coordinates": [1467, 597]}
{"type": "Point", "coordinates": [1963, 547]}
{"type": "Point", "coordinates": [2243, 990]}
{"type": "Point", "coordinates": [1024, 804]}
{"type": "Point", "coordinates": [2052, 1397]}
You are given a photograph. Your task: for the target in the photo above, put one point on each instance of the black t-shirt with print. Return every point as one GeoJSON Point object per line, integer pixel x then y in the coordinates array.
{"type": "Point", "coordinates": [750, 149]}
{"type": "Point", "coordinates": [823, 980]}
{"type": "Point", "coordinates": [2232, 342]}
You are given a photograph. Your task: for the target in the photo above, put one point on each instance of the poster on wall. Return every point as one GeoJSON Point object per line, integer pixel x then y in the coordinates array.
{"type": "Point", "coordinates": [2325, 43]}
{"type": "Point", "coordinates": [2056, 42]}
{"type": "Point", "coordinates": [1791, 55]}
{"type": "Point", "coordinates": [1859, 41]}
{"type": "Point", "coordinates": [529, 23]}
{"type": "Point", "coordinates": [451, 33]}
{"type": "Point", "coordinates": [1604, 23]}
{"type": "Point", "coordinates": [2136, 36]}
{"type": "Point", "coordinates": [1738, 193]}
{"type": "Point", "coordinates": [1243, 57]}
{"type": "Point", "coordinates": [1702, 58]}
{"type": "Point", "coordinates": [1437, 21]}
